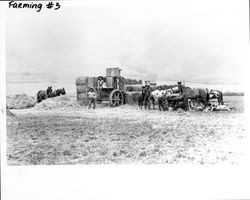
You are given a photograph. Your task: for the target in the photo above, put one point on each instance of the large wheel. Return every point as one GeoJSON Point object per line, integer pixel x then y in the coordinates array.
{"type": "Point", "coordinates": [116, 98]}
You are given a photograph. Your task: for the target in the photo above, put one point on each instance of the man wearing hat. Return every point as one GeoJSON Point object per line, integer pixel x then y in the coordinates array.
{"type": "Point", "coordinates": [147, 84]}
{"type": "Point", "coordinates": [91, 98]}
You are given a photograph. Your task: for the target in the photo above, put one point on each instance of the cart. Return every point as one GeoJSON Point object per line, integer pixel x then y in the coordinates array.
{"type": "Point", "coordinates": [113, 92]}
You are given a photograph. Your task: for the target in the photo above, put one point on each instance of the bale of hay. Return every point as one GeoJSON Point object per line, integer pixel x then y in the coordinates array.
{"type": "Point", "coordinates": [81, 96]}
{"type": "Point", "coordinates": [131, 97]}
{"type": "Point", "coordinates": [81, 89]}
{"type": "Point", "coordinates": [82, 99]}
{"type": "Point", "coordinates": [128, 98]}
{"type": "Point", "coordinates": [92, 82]}
{"type": "Point", "coordinates": [82, 103]}
{"type": "Point", "coordinates": [83, 80]}
{"type": "Point", "coordinates": [83, 84]}
{"type": "Point", "coordinates": [20, 101]}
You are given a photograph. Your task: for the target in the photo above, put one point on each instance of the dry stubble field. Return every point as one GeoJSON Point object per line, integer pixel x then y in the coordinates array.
{"type": "Point", "coordinates": [126, 134]}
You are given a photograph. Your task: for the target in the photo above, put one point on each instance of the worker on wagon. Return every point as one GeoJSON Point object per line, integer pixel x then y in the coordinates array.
{"type": "Point", "coordinates": [100, 82]}
{"type": "Point", "coordinates": [91, 98]}
{"type": "Point", "coordinates": [104, 85]}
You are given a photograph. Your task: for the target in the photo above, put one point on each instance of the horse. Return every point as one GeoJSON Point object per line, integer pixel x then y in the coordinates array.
{"type": "Point", "coordinates": [141, 98]}
{"type": "Point", "coordinates": [57, 92]}
{"type": "Point", "coordinates": [188, 93]}
{"type": "Point", "coordinates": [53, 94]}
{"type": "Point", "coordinates": [216, 94]}
{"type": "Point", "coordinates": [175, 90]}
{"type": "Point", "coordinates": [60, 92]}
{"type": "Point", "coordinates": [44, 94]}
{"type": "Point", "coordinates": [147, 96]}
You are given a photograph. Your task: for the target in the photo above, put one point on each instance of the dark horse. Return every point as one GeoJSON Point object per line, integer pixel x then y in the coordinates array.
{"type": "Point", "coordinates": [216, 94]}
{"type": "Point", "coordinates": [44, 94]}
{"type": "Point", "coordinates": [144, 98]}
{"type": "Point", "coordinates": [141, 98]}
{"type": "Point", "coordinates": [188, 93]}
{"type": "Point", "coordinates": [147, 96]}
{"type": "Point", "coordinates": [57, 92]}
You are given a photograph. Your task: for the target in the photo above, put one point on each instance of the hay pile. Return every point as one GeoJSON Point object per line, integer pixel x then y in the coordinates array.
{"type": "Point", "coordinates": [131, 97]}
{"type": "Point", "coordinates": [20, 101]}
{"type": "Point", "coordinates": [60, 102]}
{"type": "Point", "coordinates": [82, 89]}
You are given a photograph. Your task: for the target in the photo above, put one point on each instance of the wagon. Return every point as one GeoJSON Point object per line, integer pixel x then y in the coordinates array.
{"type": "Point", "coordinates": [114, 90]}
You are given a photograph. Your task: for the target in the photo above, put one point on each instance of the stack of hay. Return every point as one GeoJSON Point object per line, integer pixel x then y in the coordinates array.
{"type": "Point", "coordinates": [83, 84]}
{"type": "Point", "coordinates": [20, 101]}
{"type": "Point", "coordinates": [131, 97]}
{"type": "Point", "coordinates": [82, 89]}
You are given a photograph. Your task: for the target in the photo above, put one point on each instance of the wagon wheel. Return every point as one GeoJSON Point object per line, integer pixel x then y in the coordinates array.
{"type": "Point", "coordinates": [116, 98]}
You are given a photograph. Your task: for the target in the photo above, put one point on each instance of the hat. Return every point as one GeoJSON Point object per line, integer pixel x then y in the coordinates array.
{"type": "Point", "coordinates": [100, 78]}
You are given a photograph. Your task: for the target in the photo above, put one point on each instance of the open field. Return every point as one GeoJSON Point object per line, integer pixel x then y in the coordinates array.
{"type": "Point", "coordinates": [125, 134]}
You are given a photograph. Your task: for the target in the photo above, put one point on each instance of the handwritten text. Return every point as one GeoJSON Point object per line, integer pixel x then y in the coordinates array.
{"type": "Point", "coordinates": [36, 6]}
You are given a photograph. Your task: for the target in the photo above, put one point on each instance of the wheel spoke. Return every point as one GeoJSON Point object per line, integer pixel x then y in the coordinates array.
{"type": "Point", "coordinates": [117, 95]}
{"type": "Point", "coordinates": [116, 98]}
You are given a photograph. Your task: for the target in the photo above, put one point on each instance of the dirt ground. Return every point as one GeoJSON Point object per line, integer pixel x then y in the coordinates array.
{"type": "Point", "coordinates": [124, 135]}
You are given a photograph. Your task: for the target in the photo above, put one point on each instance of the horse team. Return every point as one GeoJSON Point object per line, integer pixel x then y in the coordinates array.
{"type": "Point", "coordinates": [49, 93]}
{"type": "Point", "coordinates": [177, 97]}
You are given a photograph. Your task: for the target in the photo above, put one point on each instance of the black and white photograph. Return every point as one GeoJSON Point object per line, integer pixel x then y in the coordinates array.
{"type": "Point", "coordinates": [136, 84]}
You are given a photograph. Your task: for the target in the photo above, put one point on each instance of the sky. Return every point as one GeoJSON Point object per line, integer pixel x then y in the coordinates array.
{"type": "Point", "coordinates": [204, 42]}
